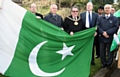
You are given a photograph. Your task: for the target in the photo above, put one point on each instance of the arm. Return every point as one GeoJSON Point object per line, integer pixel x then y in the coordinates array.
{"type": "Point", "coordinates": [115, 27]}
{"type": "Point", "coordinates": [100, 30]}
{"type": "Point", "coordinates": [65, 25]}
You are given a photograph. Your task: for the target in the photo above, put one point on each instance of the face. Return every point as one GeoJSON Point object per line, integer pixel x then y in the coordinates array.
{"type": "Point", "coordinates": [112, 10]}
{"type": "Point", "coordinates": [74, 12]}
{"type": "Point", "coordinates": [89, 6]}
{"type": "Point", "coordinates": [100, 11]}
{"type": "Point", "coordinates": [33, 8]}
{"type": "Point", "coordinates": [107, 10]}
{"type": "Point", "coordinates": [53, 9]}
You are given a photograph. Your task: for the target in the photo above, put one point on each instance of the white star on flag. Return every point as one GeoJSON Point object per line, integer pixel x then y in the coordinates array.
{"type": "Point", "coordinates": [66, 51]}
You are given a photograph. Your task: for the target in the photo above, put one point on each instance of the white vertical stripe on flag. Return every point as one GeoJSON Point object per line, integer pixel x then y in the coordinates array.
{"type": "Point", "coordinates": [11, 17]}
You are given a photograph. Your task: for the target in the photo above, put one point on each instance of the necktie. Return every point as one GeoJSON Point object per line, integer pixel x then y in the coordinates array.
{"type": "Point", "coordinates": [55, 17]}
{"type": "Point", "coordinates": [107, 17]}
{"type": "Point", "coordinates": [90, 21]}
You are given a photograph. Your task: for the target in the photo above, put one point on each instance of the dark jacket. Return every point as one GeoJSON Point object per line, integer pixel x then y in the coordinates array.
{"type": "Point", "coordinates": [40, 15]}
{"type": "Point", "coordinates": [56, 20]}
{"type": "Point", "coordinates": [94, 18]}
{"type": "Point", "coordinates": [119, 20]}
{"type": "Point", "coordinates": [109, 25]}
{"type": "Point", "coordinates": [69, 25]}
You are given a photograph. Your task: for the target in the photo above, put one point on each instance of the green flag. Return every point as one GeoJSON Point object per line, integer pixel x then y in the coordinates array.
{"type": "Point", "coordinates": [114, 42]}
{"type": "Point", "coordinates": [32, 47]}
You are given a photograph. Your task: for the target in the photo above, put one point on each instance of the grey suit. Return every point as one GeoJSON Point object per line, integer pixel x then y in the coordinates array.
{"type": "Point", "coordinates": [56, 20]}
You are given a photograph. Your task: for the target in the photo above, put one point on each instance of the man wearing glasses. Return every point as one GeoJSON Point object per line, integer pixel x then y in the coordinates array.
{"type": "Point", "coordinates": [73, 23]}
{"type": "Point", "coordinates": [90, 20]}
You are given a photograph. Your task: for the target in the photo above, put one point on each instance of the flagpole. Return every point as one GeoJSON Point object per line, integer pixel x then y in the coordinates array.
{"type": "Point", "coordinates": [1, 4]}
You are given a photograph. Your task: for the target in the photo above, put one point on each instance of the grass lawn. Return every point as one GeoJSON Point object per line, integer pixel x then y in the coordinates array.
{"type": "Point", "coordinates": [93, 70]}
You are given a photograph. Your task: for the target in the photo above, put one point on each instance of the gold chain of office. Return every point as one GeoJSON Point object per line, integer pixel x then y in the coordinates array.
{"type": "Point", "coordinates": [75, 21]}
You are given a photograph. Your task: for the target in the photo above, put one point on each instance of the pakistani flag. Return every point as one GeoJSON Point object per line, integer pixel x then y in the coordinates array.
{"type": "Point", "coordinates": [116, 38]}
{"type": "Point", "coordinates": [31, 47]}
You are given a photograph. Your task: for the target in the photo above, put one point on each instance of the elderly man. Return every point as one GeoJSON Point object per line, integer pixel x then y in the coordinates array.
{"type": "Point", "coordinates": [34, 11]}
{"type": "Point", "coordinates": [107, 26]}
{"type": "Point", "coordinates": [73, 23]}
{"type": "Point", "coordinates": [90, 20]}
{"type": "Point", "coordinates": [53, 17]}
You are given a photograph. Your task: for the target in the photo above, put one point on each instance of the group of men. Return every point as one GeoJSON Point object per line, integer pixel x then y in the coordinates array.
{"type": "Point", "coordinates": [106, 23]}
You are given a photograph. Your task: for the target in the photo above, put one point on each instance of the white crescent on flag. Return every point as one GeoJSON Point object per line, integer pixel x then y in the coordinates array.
{"type": "Point", "coordinates": [34, 66]}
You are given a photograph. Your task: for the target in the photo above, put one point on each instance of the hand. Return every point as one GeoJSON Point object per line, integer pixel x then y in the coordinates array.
{"type": "Point", "coordinates": [105, 34]}
{"type": "Point", "coordinates": [62, 28]}
{"type": "Point", "coordinates": [38, 17]}
{"type": "Point", "coordinates": [71, 33]}
{"type": "Point", "coordinates": [119, 44]}
{"type": "Point", "coordinates": [95, 34]}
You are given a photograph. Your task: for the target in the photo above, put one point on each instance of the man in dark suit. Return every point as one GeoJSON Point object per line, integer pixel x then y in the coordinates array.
{"type": "Point", "coordinates": [33, 10]}
{"type": "Point", "coordinates": [53, 17]}
{"type": "Point", "coordinates": [97, 44]}
{"type": "Point", "coordinates": [90, 20]}
{"type": "Point", "coordinates": [73, 23]}
{"type": "Point", "coordinates": [107, 26]}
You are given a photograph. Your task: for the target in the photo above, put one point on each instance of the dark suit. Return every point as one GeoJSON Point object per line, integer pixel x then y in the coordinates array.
{"type": "Point", "coordinates": [94, 18]}
{"type": "Point", "coordinates": [119, 20]}
{"type": "Point", "coordinates": [56, 20]}
{"type": "Point", "coordinates": [94, 21]}
{"type": "Point", "coordinates": [69, 25]}
{"type": "Point", "coordinates": [109, 25]}
{"type": "Point", "coordinates": [40, 15]}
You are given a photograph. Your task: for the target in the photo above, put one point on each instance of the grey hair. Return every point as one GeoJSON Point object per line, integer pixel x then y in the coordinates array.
{"type": "Point", "coordinates": [107, 5]}
{"type": "Point", "coordinates": [53, 5]}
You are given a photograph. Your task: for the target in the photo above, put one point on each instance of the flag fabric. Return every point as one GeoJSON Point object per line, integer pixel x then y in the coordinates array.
{"type": "Point", "coordinates": [32, 47]}
{"type": "Point", "coordinates": [117, 13]}
{"type": "Point", "coordinates": [115, 39]}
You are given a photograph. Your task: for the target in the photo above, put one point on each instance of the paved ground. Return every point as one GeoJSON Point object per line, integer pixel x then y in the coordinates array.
{"type": "Point", "coordinates": [116, 73]}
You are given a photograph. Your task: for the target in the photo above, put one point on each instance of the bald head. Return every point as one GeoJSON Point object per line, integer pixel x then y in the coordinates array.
{"type": "Point", "coordinates": [33, 7]}
{"type": "Point", "coordinates": [53, 8]}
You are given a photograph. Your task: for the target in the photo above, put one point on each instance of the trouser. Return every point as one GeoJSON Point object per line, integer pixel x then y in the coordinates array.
{"type": "Point", "coordinates": [97, 45]}
{"type": "Point", "coordinates": [105, 47]}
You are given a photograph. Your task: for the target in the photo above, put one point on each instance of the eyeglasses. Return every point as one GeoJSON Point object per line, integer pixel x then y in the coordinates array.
{"type": "Point", "coordinates": [74, 11]}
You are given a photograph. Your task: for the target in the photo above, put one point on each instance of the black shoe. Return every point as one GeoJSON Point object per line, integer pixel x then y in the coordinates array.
{"type": "Point", "coordinates": [92, 63]}
{"type": "Point", "coordinates": [103, 66]}
{"type": "Point", "coordinates": [109, 67]}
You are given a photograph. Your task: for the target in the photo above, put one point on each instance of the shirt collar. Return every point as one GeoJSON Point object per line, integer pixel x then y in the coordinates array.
{"type": "Point", "coordinates": [107, 15]}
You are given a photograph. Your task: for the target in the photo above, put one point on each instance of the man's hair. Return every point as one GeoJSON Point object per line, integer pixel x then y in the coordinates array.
{"type": "Point", "coordinates": [74, 7]}
{"type": "Point", "coordinates": [90, 3]}
{"type": "Point", "coordinates": [33, 4]}
{"type": "Point", "coordinates": [101, 7]}
{"type": "Point", "coordinates": [52, 5]}
{"type": "Point", "coordinates": [107, 5]}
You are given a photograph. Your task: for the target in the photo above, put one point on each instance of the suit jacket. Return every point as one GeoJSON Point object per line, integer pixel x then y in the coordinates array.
{"type": "Point", "coordinates": [109, 25]}
{"type": "Point", "coordinates": [56, 20]}
{"type": "Point", "coordinates": [94, 18]}
{"type": "Point", "coordinates": [40, 15]}
{"type": "Point", "coordinates": [69, 25]}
